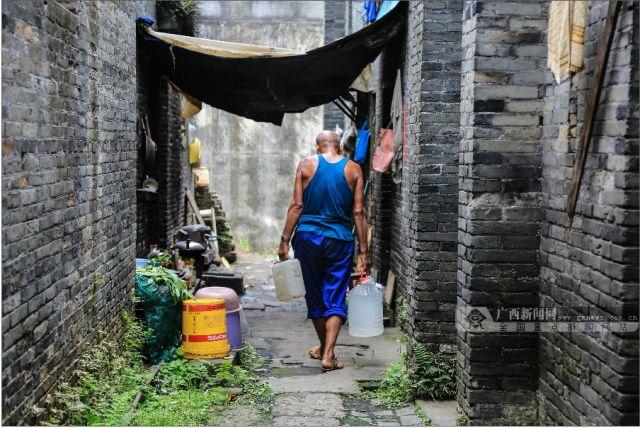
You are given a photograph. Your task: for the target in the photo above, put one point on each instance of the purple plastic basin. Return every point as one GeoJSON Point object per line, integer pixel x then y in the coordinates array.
{"type": "Point", "coordinates": [234, 329]}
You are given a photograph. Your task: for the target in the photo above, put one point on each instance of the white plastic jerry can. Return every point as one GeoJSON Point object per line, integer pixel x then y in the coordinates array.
{"type": "Point", "coordinates": [365, 310]}
{"type": "Point", "coordinates": [287, 276]}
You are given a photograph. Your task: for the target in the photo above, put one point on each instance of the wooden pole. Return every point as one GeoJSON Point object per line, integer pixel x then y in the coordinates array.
{"type": "Point", "coordinates": [593, 100]}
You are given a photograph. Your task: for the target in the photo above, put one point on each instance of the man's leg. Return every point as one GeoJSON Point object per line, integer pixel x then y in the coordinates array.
{"type": "Point", "coordinates": [319, 325]}
{"type": "Point", "coordinates": [306, 247]}
{"type": "Point", "coordinates": [338, 263]}
{"type": "Point", "coordinates": [332, 326]}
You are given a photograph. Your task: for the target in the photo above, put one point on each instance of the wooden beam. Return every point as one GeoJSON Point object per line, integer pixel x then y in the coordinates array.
{"type": "Point", "coordinates": [593, 100]}
{"type": "Point", "coordinates": [388, 292]}
{"type": "Point", "coordinates": [194, 207]}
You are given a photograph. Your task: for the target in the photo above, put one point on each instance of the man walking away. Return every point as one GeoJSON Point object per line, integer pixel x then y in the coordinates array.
{"type": "Point", "coordinates": [328, 192]}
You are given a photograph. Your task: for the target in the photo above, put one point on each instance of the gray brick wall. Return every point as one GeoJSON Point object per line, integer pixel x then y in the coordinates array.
{"type": "Point", "coordinates": [172, 166]}
{"type": "Point", "coordinates": [416, 220]}
{"type": "Point", "coordinates": [159, 219]}
{"type": "Point", "coordinates": [592, 379]}
{"type": "Point", "coordinates": [517, 142]}
{"type": "Point", "coordinates": [504, 51]}
{"type": "Point", "coordinates": [69, 178]}
{"type": "Point", "coordinates": [334, 29]}
{"type": "Point", "coordinates": [433, 188]}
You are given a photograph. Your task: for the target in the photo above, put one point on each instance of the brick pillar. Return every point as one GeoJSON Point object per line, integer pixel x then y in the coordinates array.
{"type": "Point", "coordinates": [430, 177]}
{"type": "Point", "coordinates": [504, 53]}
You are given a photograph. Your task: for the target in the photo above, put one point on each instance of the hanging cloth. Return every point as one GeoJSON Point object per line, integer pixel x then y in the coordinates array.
{"type": "Point", "coordinates": [565, 37]}
{"type": "Point", "coordinates": [370, 11]}
{"type": "Point", "coordinates": [362, 142]}
{"type": "Point", "coordinates": [396, 120]}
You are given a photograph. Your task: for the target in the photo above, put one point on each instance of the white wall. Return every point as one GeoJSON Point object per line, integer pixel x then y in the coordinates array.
{"type": "Point", "coordinates": [252, 165]}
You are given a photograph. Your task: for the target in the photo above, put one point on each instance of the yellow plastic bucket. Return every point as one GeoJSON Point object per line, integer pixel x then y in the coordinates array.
{"type": "Point", "coordinates": [204, 329]}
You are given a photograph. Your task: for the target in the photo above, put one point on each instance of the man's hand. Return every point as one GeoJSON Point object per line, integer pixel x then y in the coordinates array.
{"type": "Point", "coordinates": [283, 250]}
{"type": "Point", "coordinates": [364, 262]}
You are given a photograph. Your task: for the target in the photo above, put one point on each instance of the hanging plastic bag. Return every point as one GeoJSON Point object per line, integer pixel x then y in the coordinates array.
{"type": "Point", "coordinates": [383, 154]}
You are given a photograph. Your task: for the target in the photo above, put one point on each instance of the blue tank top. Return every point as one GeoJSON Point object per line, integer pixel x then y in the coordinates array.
{"type": "Point", "coordinates": [327, 202]}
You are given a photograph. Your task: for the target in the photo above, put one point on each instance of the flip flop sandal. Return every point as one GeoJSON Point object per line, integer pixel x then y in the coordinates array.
{"type": "Point", "coordinates": [315, 353]}
{"type": "Point", "coordinates": [335, 365]}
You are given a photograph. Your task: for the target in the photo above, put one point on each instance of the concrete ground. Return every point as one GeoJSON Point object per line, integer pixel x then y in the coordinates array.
{"type": "Point", "coordinates": [308, 397]}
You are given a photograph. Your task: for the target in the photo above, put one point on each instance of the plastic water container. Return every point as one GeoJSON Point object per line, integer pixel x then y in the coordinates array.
{"type": "Point", "coordinates": [365, 310]}
{"type": "Point", "coordinates": [288, 278]}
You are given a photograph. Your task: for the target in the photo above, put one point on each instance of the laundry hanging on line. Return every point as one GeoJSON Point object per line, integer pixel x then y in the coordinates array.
{"type": "Point", "coordinates": [263, 83]}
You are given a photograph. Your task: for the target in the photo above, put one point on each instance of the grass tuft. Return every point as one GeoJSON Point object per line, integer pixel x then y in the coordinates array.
{"type": "Point", "coordinates": [428, 376]}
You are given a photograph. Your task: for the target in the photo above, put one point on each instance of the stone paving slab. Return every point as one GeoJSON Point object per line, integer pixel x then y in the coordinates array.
{"type": "Point", "coordinates": [441, 413]}
{"type": "Point", "coordinates": [321, 382]}
{"type": "Point", "coordinates": [315, 404]}
{"type": "Point", "coordinates": [308, 397]}
{"type": "Point", "coordinates": [240, 416]}
{"type": "Point", "coordinates": [305, 421]}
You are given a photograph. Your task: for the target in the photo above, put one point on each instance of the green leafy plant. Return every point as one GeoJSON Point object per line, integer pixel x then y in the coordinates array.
{"type": "Point", "coordinates": [91, 399]}
{"type": "Point", "coordinates": [426, 420]}
{"type": "Point", "coordinates": [182, 392]}
{"type": "Point", "coordinates": [164, 260]}
{"type": "Point", "coordinates": [250, 359]}
{"type": "Point", "coordinates": [181, 8]}
{"type": "Point", "coordinates": [160, 275]}
{"type": "Point", "coordinates": [434, 374]}
{"type": "Point", "coordinates": [396, 388]}
{"type": "Point", "coordinates": [428, 376]}
{"type": "Point", "coordinates": [181, 375]}
{"type": "Point", "coordinates": [189, 407]}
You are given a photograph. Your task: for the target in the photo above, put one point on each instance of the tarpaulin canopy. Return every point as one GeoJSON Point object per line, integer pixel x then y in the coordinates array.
{"type": "Point", "coordinates": [262, 83]}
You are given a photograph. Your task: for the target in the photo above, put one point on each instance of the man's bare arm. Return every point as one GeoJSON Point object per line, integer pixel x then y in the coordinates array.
{"type": "Point", "coordinates": [360, 218]}
{"type": "Point", "coordinates": [293, 214]}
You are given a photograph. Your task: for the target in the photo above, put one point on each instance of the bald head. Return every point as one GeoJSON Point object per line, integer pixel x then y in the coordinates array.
{"type": "Point", "coordinates": [328, 140]}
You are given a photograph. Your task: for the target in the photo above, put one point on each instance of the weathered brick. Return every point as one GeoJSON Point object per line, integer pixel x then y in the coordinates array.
{"type": "Point", "coordinates": [70, 170]}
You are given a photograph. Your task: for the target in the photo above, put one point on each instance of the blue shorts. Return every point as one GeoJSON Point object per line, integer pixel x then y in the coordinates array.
{"type": "Point", "coordinates": [326, 269]}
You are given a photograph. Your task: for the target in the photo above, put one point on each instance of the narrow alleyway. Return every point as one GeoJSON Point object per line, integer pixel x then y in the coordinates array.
{"type": "Point", "coordinates": [308, 397]}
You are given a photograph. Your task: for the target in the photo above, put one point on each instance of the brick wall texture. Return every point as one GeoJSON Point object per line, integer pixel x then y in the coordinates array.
{"type": "Point", "coordinates": [160, 218]}
{"type": "Point", "coordinates": [70, 167]}
{"type": "Point", "coordinates": [334, 29]}
{"type": "Point", "coordinates": [504, 51]}
{"type": "Point", "coordinates": [479, 218]}
{"type": "Point", "coordinates": [415, 224]}
{"type": "Point", "coordinates": [592, 378]}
